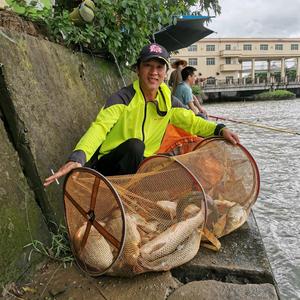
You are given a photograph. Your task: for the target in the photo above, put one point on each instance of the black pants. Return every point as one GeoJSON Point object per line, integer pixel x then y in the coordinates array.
{"type": "Point", "coordinates": [124, 159]}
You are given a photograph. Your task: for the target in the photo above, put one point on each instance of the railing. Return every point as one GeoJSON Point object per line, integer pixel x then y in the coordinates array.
{"type": "Point", "coordinates": [248, 84]}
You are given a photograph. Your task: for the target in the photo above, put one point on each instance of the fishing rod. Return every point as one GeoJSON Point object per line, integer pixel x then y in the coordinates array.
{"type": "Point", "coordinates": [255, 124]}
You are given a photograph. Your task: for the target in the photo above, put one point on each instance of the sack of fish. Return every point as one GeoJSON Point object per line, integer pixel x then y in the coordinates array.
{"type": "Point", "coordinates": [155, 220]}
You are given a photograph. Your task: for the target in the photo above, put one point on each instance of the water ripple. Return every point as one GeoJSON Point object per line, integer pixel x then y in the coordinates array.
{"type": "Point", "coordinates": [277, 155]}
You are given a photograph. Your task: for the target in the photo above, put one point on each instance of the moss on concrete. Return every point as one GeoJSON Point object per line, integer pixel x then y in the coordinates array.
{"type": "Point", "coordinates": [49, 95]}
{"type": "Point", "coordinates": [48, 104]}
{"type": "Point", "coordinates": [21, 219]}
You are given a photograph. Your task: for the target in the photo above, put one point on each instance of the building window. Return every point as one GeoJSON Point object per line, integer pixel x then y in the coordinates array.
{"type": "Point", "coordinates": [228, 60]}
{"type": "Point", "coordinates": [263, 47]}
{"type": "Point", "coordinates": [210, 61]}
{"type": "Point", "coordinates": [210, 47]}
{"type": "Point", "coordinates": [247, 47]}
{"type": "Point", "coordinates": [227, 47]}
{"type": "Point", "coordinates": [211, 80]}
{"type": "Point", "coordinates": [193, 61]}
{"type": "Point", "coordinates": [278, 47]}
{"type": "Point", "coordinates": [192, 48]}
{"type": "Point", "coordinates": [294, 47]}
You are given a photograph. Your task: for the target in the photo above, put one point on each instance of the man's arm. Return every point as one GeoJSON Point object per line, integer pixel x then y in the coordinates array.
{"type": "Point", "coordinates": [199, 106]}
{"type": "Point", "coordinates": [185, 119]}
{"type": "Point", "coordinates": [192, 106]}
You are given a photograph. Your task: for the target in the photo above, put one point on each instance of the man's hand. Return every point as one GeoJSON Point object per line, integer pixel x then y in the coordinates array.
{"type": "Point", "coordinates": [203, 110]}
{"type": "Point", "coordinates": [65, 169]}
{"type": "Point", "coordinates": [230, 136]}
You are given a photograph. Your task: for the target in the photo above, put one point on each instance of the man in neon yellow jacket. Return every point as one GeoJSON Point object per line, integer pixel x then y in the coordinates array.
{"type": "Point", "coordinates": [132, 123]}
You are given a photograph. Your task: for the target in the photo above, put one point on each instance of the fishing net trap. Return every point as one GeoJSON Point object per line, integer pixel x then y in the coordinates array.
{"type": "Point", "coordinates": [155, 220]}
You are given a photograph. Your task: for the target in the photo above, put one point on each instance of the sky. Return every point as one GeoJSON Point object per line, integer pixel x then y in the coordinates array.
{"type": "Point", "coordinates": [257, 18]}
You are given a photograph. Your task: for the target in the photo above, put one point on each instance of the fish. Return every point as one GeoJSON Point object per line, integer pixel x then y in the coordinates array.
{"type": "Point", "coordinates": [185, 251]}
{"type": "Point", "coordinates": [190, 211]}
{"type": "Point", "coordinates": [131, 248]}
{"type": "Point", "coordinates": [169, 207]}
{"type": "Point", "coordinates": [223, 205]}
{"type": "Point", "coordinates": [212, 171]}
{"type": "Point", "coordinates": [219, 226]}
{"type": "Point", "coordinates": [167, 242]}
{"type": "Point", "coordinates": [236, 217]}
{"type": "Point", "coordinates": [96, 253]}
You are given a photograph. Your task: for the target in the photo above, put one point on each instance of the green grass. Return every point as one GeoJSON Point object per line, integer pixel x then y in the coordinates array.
{"type": "Point", "coordinates": [275, 95]}
{"type": "Point", "coordinates": [58, 250]}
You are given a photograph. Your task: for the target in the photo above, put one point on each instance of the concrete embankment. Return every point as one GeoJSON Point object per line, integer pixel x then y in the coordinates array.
{"type": "Point", "coordinates": [48, 97]}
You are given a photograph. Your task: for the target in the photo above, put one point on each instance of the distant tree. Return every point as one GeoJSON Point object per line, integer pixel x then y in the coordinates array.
{"type": "Point", "coordinates": [291, 75]}
{"type": "Point", "coordinates": [261, 75]}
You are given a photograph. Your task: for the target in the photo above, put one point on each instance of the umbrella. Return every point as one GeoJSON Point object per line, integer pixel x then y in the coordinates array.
{"type": "Point", "coordinates": [186, 31]}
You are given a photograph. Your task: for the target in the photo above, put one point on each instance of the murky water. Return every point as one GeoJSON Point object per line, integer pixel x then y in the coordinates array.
{"type": "Point", "coordinates": [277, 154]}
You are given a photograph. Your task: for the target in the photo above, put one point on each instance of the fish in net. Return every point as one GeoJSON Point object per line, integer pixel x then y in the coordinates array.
{"type": "Point", "coordinates": [155, 220]}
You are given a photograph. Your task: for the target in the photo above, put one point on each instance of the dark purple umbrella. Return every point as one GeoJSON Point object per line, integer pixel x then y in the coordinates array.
{"type": "Point", "coordinates": [186, 31]}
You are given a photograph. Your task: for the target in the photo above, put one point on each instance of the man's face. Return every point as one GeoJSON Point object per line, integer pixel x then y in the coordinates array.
{"type": "Point", "coordinates": [151, 74]}
{"type": "Point", "coordinates": [192, 79]}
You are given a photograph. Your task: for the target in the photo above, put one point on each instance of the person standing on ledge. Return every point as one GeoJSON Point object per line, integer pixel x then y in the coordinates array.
{"type": "Point", "coordinates": [133, 121]}
{"type": "Point", "coordinates": [185, 94]}
{"type": "Point", "coordinates": [175, 77]}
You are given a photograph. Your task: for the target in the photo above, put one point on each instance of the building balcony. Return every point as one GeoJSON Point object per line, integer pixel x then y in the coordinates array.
{"type": "Point", "coordinates": [230, 53]}
{"type": "Point", "coordinates": [230, 67]}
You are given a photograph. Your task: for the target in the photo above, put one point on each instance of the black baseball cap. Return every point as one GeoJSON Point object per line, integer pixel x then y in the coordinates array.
{"type": "Point", "coordinates": [153, 51]}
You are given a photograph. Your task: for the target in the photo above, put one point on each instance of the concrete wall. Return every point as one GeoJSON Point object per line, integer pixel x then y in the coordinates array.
{"type": "Point", "coordinates": [48, 97]}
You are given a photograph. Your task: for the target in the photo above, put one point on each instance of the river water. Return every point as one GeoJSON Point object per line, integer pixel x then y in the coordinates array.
{"type": "Point", "coordinates": [277, 154]}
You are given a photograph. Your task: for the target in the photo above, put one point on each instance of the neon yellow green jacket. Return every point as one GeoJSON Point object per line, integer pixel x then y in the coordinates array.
{"type": "Point", "coordinates": [127, 115]}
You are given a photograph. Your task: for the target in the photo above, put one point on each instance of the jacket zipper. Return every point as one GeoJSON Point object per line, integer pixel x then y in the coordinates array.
{"type": "Point", "coordinates": [144, 120]}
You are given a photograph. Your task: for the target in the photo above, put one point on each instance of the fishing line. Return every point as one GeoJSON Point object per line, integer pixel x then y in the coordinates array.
{"type": "Point", "coordinates": [255, 125]}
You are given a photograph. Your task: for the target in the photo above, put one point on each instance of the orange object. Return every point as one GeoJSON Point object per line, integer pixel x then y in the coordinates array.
{"type": "Point", "coordinates": [177, 141]}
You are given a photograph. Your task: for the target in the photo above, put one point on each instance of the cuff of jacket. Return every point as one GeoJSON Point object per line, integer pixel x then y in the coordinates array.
{"type": "Point", "coordinates": [78, 156]}
{"type": "Point", "coordinates": [218, 130]}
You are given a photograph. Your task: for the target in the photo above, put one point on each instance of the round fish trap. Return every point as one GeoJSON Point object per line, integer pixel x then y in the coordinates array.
{"type": "Point", "coordinates": [230, 178]}
{"type": "Point", "coordinates": [131, 224]}
{"type": "Point", "coordinates": [90, 202]}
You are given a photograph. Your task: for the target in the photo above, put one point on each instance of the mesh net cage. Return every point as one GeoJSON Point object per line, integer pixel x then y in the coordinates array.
{"type": "Point", "coordinates": [230, 179]}
{"type": "Point", "coordinates": [154, 220]}
{"type": "Point", "coordinates": [131, 224]}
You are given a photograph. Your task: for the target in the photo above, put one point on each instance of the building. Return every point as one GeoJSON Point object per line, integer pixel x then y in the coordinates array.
{"type": "Point", "coordinates": [224, 58]}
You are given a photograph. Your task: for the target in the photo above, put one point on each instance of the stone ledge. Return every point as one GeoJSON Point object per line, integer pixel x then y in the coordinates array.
{"type": "Point", "coordinates": [215, 290]}
{"type": "Point", "coordinates": [242, 259]}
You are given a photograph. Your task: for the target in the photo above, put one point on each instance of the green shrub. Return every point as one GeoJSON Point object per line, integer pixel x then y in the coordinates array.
{"type": "Point", "coordinates": [120, 28]}
{"type": "Point", "coordinates": [196, 90]}
{"type": "Point", "coordinates": [275, 95]}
